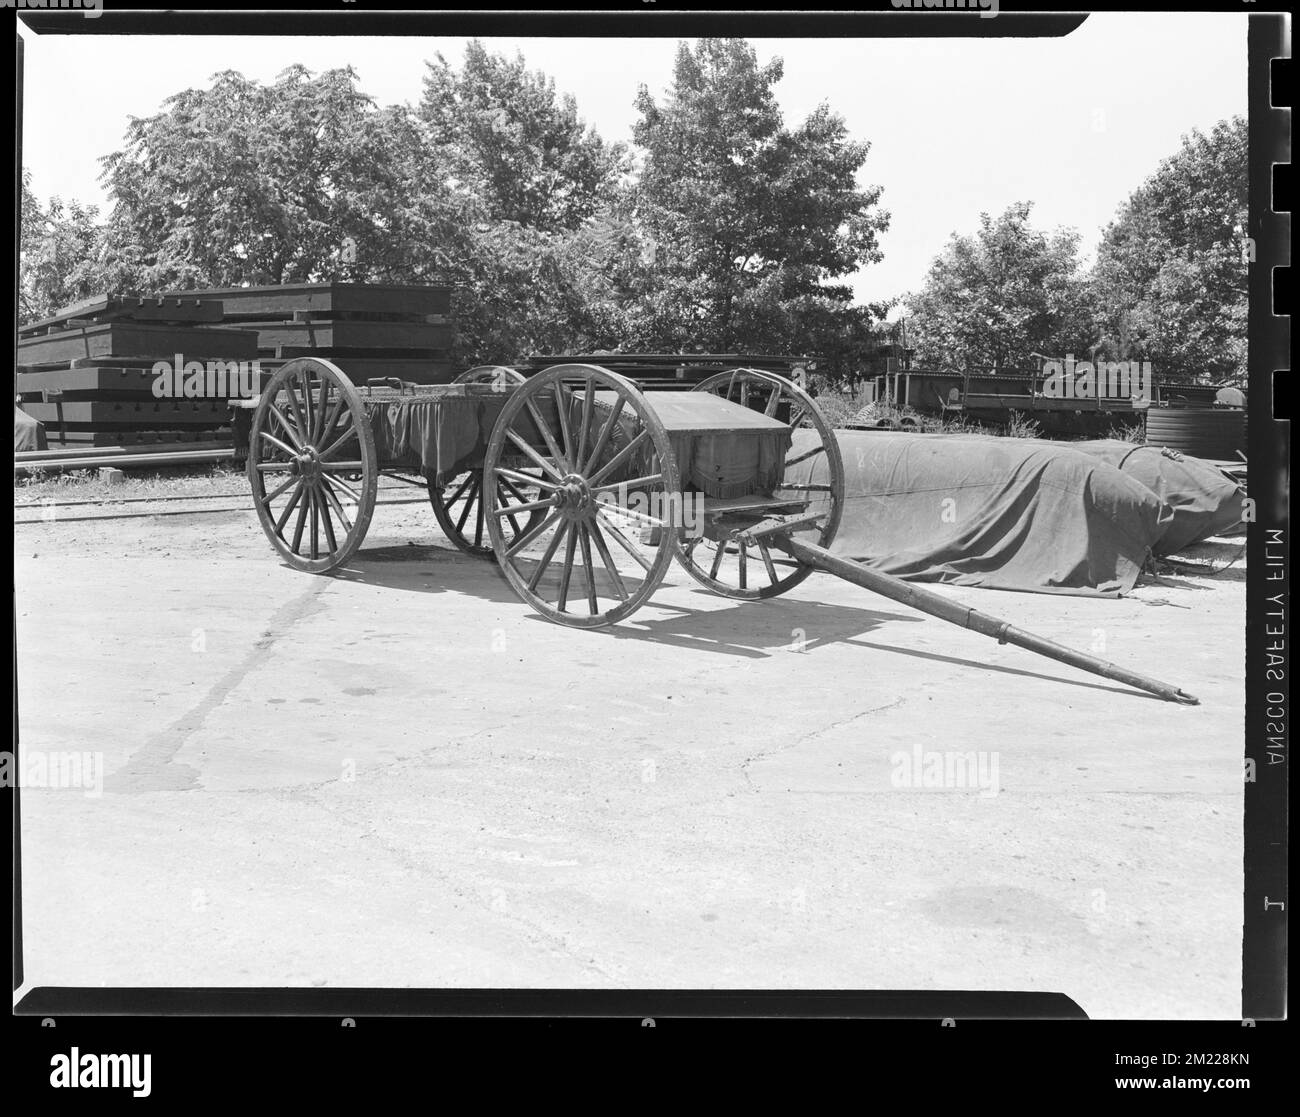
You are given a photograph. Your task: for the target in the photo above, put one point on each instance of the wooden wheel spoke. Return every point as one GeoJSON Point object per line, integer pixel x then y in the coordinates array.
{"type": "Point", "coordinates": [299, 419]}
{"type": "Point", "coordinates": [622, 540]}
{"type": "Point", "coordinates": [465, 484]}
{"type": "Point", "coordinates": [302, 520]}
{"type": "Point", "coordinates": [547, 555]}
{"type": "Point", "coordinates": [741, 558]}
{"type": "Point", "coordinates": [469, 503]}
{"type": "Point", "coordinates": [276, 442]}
{"type": "Point", "coordinates": [295, 436]}
{"type": "Point", "coordinates": [337, 481]}
{"type": "Point", "coordinates": [632, 514]}
{"type": "Point", "coordinates": [799, 416]}
{"type": "Point", "coordinates": [562, 397]}
{"type": "Point", "coordinates": [332, 420]}
{"type": "Point", "coordinates": [608, 429]}
{"type": "Point", "coordinates": [544, 429]}
{"type": "Point", "coordinates": [535, 532]}
{"type": "Point", "coordinates": [322, 409]}
{"type": "Point", "coordinates": [605, 557]}
{"type": "Point", "coordinates": [328, 489]}
{"type": "Point", "coordinates": [526, 478]}
{"type": "Point", "coordinates": [515, 509]}
{"type": "Point", "coordinates": [717, 559]}
{"type": "Point", "coordinates": [314, 532]}
{"type": "Point", "coordinates": [537, 459]}
{"type": "Point", "coordinates": [588, 404]}
{"type": "Point", "coordinates": [767, 562]}
{"type": "Point", "coordinates": [505, 486]}
{"type": "Point", "coordinates": [588, 572]}
{"type": "Point", "coordinates": [478, 516]}
{"type": "Point", "coordinates": [343, 439]}
{"type": "Point", "coordinates": [619, 458]}
{"type": "Point", "coordinates": [805, 456]}
{"type": "Point", "coordinates": [272, 495]}
{"type": "Point", "coordinates": [635, 483]}
{"type": "Point", "coordinates": [326, 521]}
{"type": "Point", "coordinates": [566, 571]}
{"type": "Point", "coordinates": [287, 511]}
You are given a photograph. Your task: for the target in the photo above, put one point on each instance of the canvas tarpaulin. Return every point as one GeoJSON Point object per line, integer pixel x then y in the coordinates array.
{"type": "Point", "coordinates": [998, 513]}
{"type": "Point", "coordinates": [438, 434]}
{"type": "Point", "coordinates": [1202, 500]}
{"type": "Point", "coordinates": [28, 433]}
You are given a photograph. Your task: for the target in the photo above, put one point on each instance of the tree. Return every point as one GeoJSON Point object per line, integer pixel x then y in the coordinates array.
{"type": "Point", "coordinates": [514, 141]}
{"type": "Point", "coordinates": [992, 299]}
{"type": "Point", "coordinates": [60, 249]}
{"type": "Point", "coordinates": [748, 222]}
{"type": "Point", "coordinates": [299, 181]}
{"type": "Point", "coordinates": [1171, 274]}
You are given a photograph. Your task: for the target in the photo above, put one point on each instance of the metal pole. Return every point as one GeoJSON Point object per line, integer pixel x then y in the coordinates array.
{"type": "Point", "coordinates": [936, 606]}
{"type": "Point", "coordinates": [71, 461]}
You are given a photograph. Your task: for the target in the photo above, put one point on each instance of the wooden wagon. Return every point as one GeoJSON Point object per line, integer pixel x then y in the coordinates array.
{"type": "Point", "coordinates": [581, 487]}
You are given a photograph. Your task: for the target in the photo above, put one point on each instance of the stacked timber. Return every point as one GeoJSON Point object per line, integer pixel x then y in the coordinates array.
{"type": "Point", "coordinates": [90, 372]}
{"type": "Point", "coordinates": [370, 331]}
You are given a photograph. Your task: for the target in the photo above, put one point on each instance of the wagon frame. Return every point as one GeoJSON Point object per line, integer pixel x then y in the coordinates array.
{"type": "Point", "coordinates": [578, 463]}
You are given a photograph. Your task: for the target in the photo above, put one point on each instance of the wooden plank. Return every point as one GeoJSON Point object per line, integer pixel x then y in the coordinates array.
{"type": "Point", "coordinates": [336, 353]}
{"type": "Point", "coordinates": [324, 297]}
{"type": "Point", "coordinates": [129, 414]}
{"type": "Point", "coordinates": [373, 336]}
{"type": "Point", "coordinates": [139, 340]}
{"type": "Point", "coordinates": [702, 413]}
{"type": "Point", "coordinates": [136, 438]}
{"type": "Point", "coordinates": [98, 382]}
{"type": "Point", "coordinates": [104, 307]}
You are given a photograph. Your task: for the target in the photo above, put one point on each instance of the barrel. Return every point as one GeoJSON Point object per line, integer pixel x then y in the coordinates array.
{"type": "Point", "coordinates": [1199, 432]}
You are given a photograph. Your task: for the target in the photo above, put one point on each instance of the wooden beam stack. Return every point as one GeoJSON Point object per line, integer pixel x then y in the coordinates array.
{"type": "Point", "coordinates": [368, 330]}
{"type": "Point", "coordinates": [87, 372]}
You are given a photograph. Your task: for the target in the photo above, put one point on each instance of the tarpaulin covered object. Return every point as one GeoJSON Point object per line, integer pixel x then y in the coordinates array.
{"type": "Point", "coordinates": [28, 433]}
{"type": "Point", "coordinates": [999, 513]}
{"type": "Point", "coordinates": [1202, 500]}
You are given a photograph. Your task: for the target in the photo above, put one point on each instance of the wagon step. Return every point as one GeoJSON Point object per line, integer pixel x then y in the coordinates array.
{"type": "Point", "coordinates": [936, 606]}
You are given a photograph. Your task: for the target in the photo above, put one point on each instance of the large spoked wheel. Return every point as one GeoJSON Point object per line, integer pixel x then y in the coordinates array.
{"type": "Point", "coordinates": [461, 511]}
{"type": "Point", "coordinates": [607, 488]}
{"type": "Point", "coordinates": [813, 484]}
{"type": "Point", "coordinates": [458, 506]}
{"type": "Point", "coordinates": [311, 465]}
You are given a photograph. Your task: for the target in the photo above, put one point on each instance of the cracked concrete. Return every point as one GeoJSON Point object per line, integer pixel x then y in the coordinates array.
{"type": "Point", "coordinates": [399, 776]}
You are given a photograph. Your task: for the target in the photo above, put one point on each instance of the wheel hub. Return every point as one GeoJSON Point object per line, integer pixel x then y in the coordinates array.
{"type": "Point", "coordinates": [307, 463]}
{"type": "Point", "coordinates": [574, 498]}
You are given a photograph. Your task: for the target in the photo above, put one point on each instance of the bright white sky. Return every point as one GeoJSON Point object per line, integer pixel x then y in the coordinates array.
{"type": "Point", "coordinates": [957, 127]}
